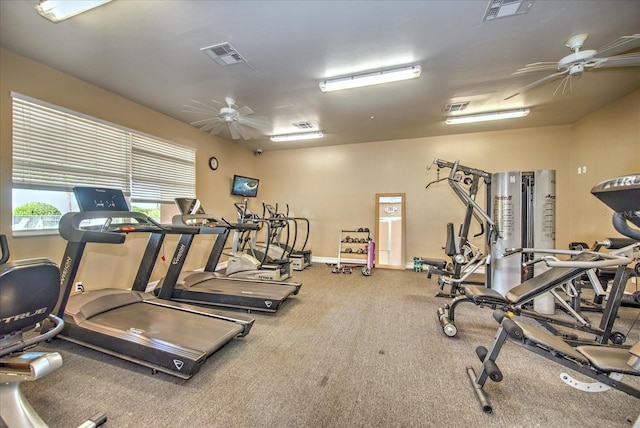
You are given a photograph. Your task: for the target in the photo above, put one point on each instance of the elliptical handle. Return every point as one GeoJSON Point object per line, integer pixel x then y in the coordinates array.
{"type": "Point", "coordinates": [621, 225]}
{"type": "Point", "coordinates": [4, 248]}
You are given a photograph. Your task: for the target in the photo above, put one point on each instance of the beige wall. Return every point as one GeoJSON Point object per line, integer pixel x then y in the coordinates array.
{"type": "Point", "coordinates": [19, 74]}
{"type": "Point", "coordinates": [607, 142]}
{"type": "Point", "coordinates": [335, 187]}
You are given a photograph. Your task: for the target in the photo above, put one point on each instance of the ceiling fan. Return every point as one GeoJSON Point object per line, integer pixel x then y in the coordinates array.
{"type": "Point", "coordinates": [579, 61]}
{"type": "Point", "coordinates": [238, 120]}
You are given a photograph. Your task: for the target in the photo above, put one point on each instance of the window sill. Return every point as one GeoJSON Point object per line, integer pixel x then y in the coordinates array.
{"type": "Point", "coordinates": [39, 232]}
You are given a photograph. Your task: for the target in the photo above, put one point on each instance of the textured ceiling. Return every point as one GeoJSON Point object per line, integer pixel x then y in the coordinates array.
{"type": "Point", "coordinates": [149, 52]}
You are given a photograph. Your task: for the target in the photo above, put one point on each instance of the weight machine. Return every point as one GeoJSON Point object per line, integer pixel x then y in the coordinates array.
{"type": "Point", "coordinates": [465, 257]}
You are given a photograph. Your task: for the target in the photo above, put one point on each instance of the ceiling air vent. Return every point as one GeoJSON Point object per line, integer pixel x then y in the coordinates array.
{"type": "Point", "coordinates": [303, 125]}
{"type": "Point", "coordinates": [454, 107]}
{"type": "Point", "coordinates": [503, 8]}
{"type": "Point", "coordinates": [224, 54]}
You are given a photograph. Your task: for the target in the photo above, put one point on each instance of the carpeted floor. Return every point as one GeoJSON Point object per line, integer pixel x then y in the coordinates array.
{"type": "Point", "coordinates": [348, 351]}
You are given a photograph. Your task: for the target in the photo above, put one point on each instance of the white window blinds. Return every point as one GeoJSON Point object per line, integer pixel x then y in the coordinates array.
{"type": "Point", "coordinates": [56, 149]}
{"type": "Point", "coordinates": [161, 171]}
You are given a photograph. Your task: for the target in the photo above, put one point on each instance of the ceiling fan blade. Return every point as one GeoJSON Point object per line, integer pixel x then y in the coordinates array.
{"type": "Point", "coordinates": [258, 122]}
{"type": "Point", "coordinates": [215, 127]}
{"type": "Point", "coordinates": [537, 83]}
{"type": "Point", "coordinates": [234, 131]}
{"type": "Point", "coordinates": [199, 108]}
{"type": "Point", "coordinates": [623, 44]}
{"type": "Point", "coordinates": [539, 66]}
{"type": "Point", "coordinates": [248, 133]}
{"type": "Point", "coordinates": [566, 83]}
{"type": "Point", "coordinates": [211, 125]}
{"type": "Point", "coordinates": [244, 111]}
{"type": "Point", "coordinates": [628, 60]}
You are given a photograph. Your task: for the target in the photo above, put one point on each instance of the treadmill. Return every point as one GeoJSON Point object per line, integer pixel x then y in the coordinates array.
{"type": "Point", "coordinates": [165, 336]}
{"type": "Point", "coordinates": [209, 287]}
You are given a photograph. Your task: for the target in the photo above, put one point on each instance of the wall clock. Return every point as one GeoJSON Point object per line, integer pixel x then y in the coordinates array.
{"type": "Point", "coordinates": [213, 163]}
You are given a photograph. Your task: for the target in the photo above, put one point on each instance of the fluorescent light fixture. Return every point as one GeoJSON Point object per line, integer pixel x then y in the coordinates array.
{"type": "Point", "coordinates": [59, 10]}
{"type": "Point", "coordinates": [507, 114]}
{"type": "Point", "coordinates": [371, 78]}
{"type": "Point", "coordinates": [294, 137]}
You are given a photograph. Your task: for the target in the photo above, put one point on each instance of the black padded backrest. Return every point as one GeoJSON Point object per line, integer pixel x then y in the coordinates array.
{"type": "Point", "coordinates": [29, 289]}
{"type": "Point", "coordinates": [450, 248]}
{"type": "Point", "coordinates": [548, 280]}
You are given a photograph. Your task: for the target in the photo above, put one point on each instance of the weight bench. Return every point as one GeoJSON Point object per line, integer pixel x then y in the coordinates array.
{"type": "Point", "coordinates": [604, 364]}
{"type": "Point", "coordinates": [459, 270]}
{"type": "Point", "coordinates": [547, 281]}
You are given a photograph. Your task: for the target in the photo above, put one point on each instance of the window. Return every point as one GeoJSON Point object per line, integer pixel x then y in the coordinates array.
{"type": "Point", "coordinates": [56, 149]}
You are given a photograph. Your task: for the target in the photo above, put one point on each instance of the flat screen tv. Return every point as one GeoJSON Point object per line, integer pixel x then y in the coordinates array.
{"type": "Point", "coordinates": [245, 186]}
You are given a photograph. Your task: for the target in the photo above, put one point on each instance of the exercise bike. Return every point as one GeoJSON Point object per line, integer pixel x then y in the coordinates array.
{"type": "Point", "coordinates": [29, 290]}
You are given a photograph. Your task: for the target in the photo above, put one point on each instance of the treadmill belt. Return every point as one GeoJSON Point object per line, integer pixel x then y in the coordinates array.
{"type": "Point", "coordinates": [158, 327]}
{"type": "Point", "coordinates": [258, 290]}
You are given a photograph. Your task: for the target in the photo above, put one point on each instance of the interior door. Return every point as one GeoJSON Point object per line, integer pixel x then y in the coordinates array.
{"type": "Point", "coordinates": [390, 230]}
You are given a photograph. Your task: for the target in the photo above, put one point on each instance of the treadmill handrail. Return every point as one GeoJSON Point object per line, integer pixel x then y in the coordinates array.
{"type": "Point", "coordinates": [185, 219]}
{"type": "Point", "coordinates": [69, 227]}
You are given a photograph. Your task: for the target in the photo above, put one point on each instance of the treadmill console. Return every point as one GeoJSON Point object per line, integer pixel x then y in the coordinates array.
{"type": "Point", "coordinates": [100, 199]}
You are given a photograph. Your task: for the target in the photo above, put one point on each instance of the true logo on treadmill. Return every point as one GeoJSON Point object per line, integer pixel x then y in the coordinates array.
{"type": "Point", "coordinates": [179, 364]}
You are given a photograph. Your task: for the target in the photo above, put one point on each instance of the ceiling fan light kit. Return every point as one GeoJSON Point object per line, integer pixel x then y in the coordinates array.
{"type": "Point", "coordinates": [59, 10]}
{"type": "Point", "coordinates": [371, 78]}
{"type": "Point", "coordinates": [297, 136]}
{"type": "Point", "coordinates": [482, 117]}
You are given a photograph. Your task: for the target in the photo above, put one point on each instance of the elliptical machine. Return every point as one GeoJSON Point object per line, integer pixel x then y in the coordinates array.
{"type": "Point", "coordinates": [245, 260]}
{"type": "Point", "coordinates": [29, 290]}
{"type": "Point", "coordinates": [299, 257]}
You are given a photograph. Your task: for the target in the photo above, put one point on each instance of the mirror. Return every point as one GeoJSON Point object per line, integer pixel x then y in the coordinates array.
{"type": "Point", "coordinates": [389, 237]}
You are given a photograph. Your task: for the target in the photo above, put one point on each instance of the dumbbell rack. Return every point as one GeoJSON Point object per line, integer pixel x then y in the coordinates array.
{"type": "Point", "coordinates": [357, 243]}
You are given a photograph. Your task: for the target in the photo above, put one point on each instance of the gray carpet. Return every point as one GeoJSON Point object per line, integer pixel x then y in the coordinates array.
{"type": "Point", "coordinates": [348, 351]}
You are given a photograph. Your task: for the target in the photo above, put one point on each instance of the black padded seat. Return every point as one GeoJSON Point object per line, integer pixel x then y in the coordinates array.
{"type": "Point", "coordinates": [479, 294]}
{"type": "Point", "coordinates": [549, 341]}
{"type": "Point", "coordinates": [548, 280]}
{"type": "Point", "coordinates": [436, 263]}
{"type": "Point", "coordinates": [609, 359]}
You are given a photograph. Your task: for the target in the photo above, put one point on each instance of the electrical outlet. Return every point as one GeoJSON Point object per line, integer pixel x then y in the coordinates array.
{"type": "Point", "coordinates": [78, 287]}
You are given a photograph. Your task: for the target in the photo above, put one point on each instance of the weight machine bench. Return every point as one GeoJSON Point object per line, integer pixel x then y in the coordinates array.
{"type": "Point", "coordinates": [560, 273]}
{"type": "Point", "coordinates": [604, 364]}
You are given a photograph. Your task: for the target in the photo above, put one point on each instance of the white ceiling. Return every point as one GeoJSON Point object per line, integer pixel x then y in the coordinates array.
{"type": "Point", "coordinates": [149, 52]}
